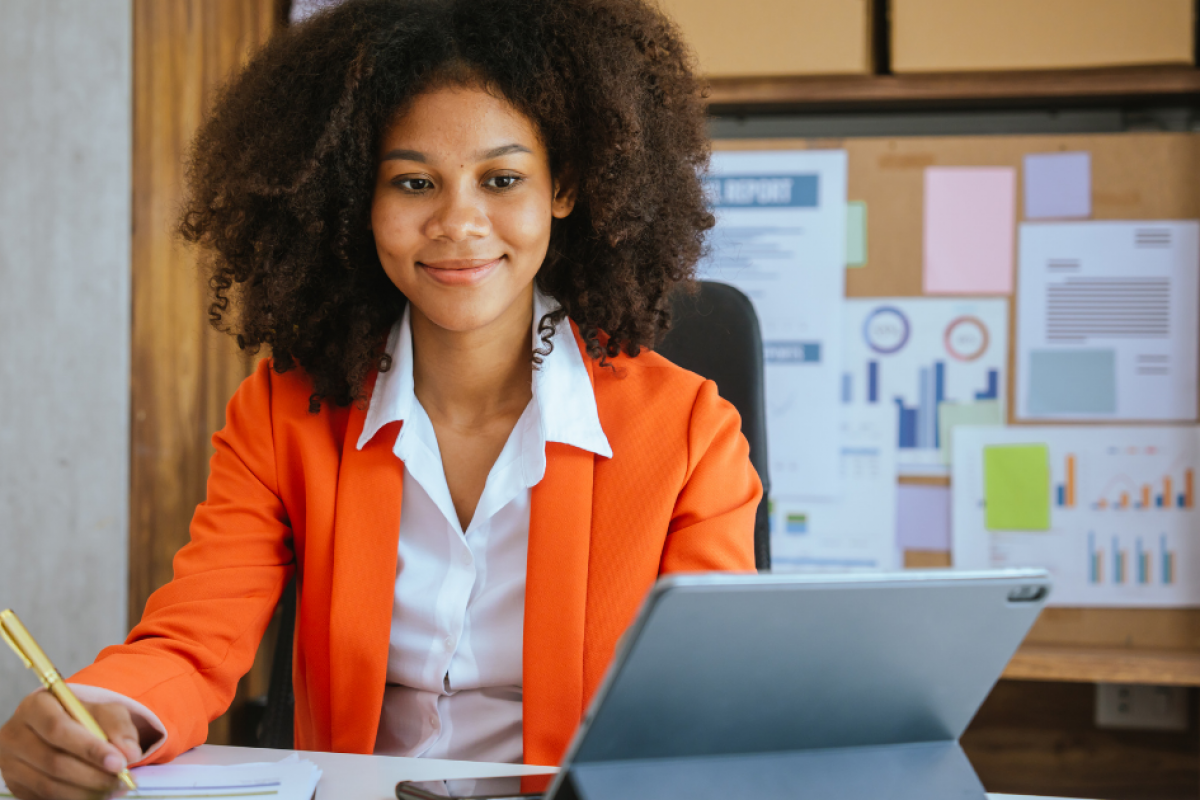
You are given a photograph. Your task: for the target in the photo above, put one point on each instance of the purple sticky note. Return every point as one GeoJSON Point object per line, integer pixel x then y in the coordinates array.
{"type": "Point", "coordinates": [970, 219]}
{"type": "Point", "coordinates": [1058, 185]}
{"type": "Point", "coordinates": [922, 517]}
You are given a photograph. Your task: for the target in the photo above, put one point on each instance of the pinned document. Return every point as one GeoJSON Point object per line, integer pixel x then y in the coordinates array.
{"type": "Point", "coordinates": [1122, 510]}
{"type": "Point", "coordinates": [1058, 185]}
{"type": "Point", "coordinates": [780, 237]}
{"type": "Point", "coordinates": [854, 532]}
{"type": "Point", "coordinates": [1107, 325]}
{"type": "Point", "coordinates": [969, 227]}
{"type": "Point", "coordinates": [914, 355]}
{"type": "Point", "coordinates": [1016, 492]}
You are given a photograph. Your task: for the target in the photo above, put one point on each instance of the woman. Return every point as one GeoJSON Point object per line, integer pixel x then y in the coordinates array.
{"type": "Point", "coordinates": [456, 225]}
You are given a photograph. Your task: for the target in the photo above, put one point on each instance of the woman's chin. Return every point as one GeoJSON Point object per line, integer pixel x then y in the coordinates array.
{"type": "Point", "coordinates": [463, 316]}
{"type": "Point", "coordinates": [498, 307]}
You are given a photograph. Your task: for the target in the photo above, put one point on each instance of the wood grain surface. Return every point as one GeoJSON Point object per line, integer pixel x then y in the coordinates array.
{"type": "Point", "coordinates": [1040, 738]}
{"type": "Point", "coordinates": [183, 372]}
{"type": "Point", "coordinates": [953, 90]}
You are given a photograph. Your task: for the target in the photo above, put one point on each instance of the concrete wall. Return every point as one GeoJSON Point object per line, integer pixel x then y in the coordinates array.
{"type": "Point", "coordinates": [65, 120]}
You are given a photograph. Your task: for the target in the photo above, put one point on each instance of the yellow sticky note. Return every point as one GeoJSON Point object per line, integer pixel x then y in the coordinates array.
{"type": "Point", "coordinates": [1016, 480]}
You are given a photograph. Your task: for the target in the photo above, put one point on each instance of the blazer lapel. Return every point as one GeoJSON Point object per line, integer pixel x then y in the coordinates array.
{"type": "Point", "coordinates": [366, 535]}
{"type": "Point", "coordinates": [560, 522]}
{"type": "Point", "coordinates": [560, 526]}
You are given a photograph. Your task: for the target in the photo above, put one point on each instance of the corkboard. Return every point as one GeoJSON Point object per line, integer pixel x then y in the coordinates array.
{"type": "Point", "coordinates": [1134, 176]}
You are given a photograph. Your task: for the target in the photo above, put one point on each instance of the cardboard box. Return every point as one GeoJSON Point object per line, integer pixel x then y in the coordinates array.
{"type": "Point", "coordinates": [995, 35]}
{"type": "Point", "coordinates": [754, 38]}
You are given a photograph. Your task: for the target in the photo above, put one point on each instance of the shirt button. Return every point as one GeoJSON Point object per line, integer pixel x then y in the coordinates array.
{"type": "Point", "coordinates": [449, 642]}
{"type": "Point", "coordinates": [435, 722]}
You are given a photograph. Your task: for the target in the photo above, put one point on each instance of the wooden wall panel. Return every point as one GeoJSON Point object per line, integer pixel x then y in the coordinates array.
{"type": "Point", "coordinates": [1040, 739]}
{"type": "Point", "coordinates": [183, 372]}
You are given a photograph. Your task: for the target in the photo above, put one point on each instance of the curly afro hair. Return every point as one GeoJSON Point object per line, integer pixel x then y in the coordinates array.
{"type": "Point", "coordinates": [283, 171]}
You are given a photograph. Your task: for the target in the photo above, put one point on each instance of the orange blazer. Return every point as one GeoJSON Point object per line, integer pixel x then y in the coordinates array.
{"type": "Point", "coordinates": [289, 490]}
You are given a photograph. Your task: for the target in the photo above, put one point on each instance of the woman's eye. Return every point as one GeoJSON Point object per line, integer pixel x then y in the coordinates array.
{"type": "Point", "coordinates": [503, 181]}
{"type": "Point", "coordinates": [413, 184]}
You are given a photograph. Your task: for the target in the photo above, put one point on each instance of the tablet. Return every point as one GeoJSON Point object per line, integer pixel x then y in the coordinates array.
{"type": "Point", "coordinates": [846, 686]}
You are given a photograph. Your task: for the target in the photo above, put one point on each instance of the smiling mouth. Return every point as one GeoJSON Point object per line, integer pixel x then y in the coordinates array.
{"type": "Point", "coordinates": [460, 272]}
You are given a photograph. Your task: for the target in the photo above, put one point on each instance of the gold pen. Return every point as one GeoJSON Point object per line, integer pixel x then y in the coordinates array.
{"type": "Point", "coordinates": [23, 644]}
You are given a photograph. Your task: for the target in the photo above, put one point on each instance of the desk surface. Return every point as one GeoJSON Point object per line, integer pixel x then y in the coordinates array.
{"type": "Point", "coordinates": [355, 777]}
{"type": "Point", "coordinates": [347, 776]}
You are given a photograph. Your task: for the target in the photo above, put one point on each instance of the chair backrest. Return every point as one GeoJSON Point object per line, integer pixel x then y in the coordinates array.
{"type": "Point", "coordinates": [276, 728]}
{"type": "Point", "coordinates": [715, 333]}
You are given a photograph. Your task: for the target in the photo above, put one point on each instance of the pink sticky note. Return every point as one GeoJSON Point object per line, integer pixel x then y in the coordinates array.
{"type": "Point", "coordinates": [970, 214]}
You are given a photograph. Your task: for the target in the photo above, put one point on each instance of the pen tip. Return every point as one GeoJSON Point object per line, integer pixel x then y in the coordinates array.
{"type": "Point", "coordinates": [127, 779]}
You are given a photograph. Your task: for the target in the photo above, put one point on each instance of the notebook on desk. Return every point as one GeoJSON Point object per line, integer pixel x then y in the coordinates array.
{"type": "Point", "coordinates": [787, 686]}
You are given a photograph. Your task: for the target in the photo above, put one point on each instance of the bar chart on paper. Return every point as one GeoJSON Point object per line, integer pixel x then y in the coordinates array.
{"type": "Point", "coordinates": [915, 356]}
{"type": "Point", "coordinates": [1123, 522]}
{"type": "Point", "coordinates": [1147, 564]}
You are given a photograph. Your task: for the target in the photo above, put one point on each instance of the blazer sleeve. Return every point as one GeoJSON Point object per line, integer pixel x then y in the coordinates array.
{"type": "Point", "coordinates": [199, 633]}
{"type": "Point", "coordinates": [712, 524]}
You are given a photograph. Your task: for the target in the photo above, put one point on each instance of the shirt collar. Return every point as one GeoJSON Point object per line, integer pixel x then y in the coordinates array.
{"type": "Point", "coordinates": [563, 398]}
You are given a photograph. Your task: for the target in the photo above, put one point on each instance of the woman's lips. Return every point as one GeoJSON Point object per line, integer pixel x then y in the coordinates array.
{"type": "Point", "coordinates": [459, 273]}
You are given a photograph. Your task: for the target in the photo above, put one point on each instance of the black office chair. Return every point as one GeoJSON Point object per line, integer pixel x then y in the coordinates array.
{"type": "Point", "coordinates": [276, 723]}
{"type": "Point", "coordinates": [715, 333]}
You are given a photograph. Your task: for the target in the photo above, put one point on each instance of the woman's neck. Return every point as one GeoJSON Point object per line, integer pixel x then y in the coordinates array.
{"type": "Point", "coordinates": [469, 378]}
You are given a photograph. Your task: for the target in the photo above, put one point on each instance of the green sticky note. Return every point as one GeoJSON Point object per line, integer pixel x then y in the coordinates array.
{"type": "Point", "coordinates": [1016, 487]}
{"type": "Point", "coordinates": [856, 233]}
{"type": "Point", "coordinates": [981, 412]}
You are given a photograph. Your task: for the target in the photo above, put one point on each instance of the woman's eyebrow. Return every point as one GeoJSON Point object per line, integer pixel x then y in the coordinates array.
{"type": "Point", "coordinates": [404, 155]}
{"type": "Point", "coordinates": [486, 155]}
{"type": "Point", "coordinates": [503, 150]}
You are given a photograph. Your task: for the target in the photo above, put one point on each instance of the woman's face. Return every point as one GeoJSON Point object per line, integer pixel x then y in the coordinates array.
{"type": "Point", "coordinates": [462, 207]}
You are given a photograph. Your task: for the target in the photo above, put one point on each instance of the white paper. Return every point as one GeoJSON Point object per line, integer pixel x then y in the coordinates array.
{"type": "Point", "coordinates": [1107, 325]}
{"type": "Point", "coordinates": [855, 532]}
{"type": "Point", "coordinates": [1112, 540]}
{"type": "Point", "coordinates": [288, 779]}
{"type": "Point", "coordinates": [781, 238]}
{"type": "Point", "coordinates": [909, 355]}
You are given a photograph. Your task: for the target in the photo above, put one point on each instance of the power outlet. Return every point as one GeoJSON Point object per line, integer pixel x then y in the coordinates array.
{"type": "Point", "coordinates": [1139, 707]}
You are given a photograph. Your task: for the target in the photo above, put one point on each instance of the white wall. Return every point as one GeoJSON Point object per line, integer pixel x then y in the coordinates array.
{"type": "Point", "coordinates": [65, 120]}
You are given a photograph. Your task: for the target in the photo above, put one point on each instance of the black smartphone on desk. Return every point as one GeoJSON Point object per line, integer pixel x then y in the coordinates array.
{"type": "Point", "coordinates": [410, 790]}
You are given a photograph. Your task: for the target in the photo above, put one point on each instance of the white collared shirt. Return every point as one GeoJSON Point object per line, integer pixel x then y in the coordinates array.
{"type": "Point", "coordinates": [455, 651]}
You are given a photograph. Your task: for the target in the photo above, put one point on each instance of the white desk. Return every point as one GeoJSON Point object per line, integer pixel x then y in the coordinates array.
{"type": "Point", "coordinates": [347, 776]}
{"type": "Point", "coordinates": [355, 777]}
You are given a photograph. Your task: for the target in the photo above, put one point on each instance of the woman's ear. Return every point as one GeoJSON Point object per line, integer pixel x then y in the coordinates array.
{"type": "Point", "coordinates": [563, 201]}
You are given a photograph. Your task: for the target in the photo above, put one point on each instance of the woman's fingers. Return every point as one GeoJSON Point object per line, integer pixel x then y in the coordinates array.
{"type": "Point", "coordinates": [28, 783]}
{"type": "Point", "coordinates": [50, 755]}
{"type": "Point", "coordinates": [50, 721]}
{"type": "Point", "coordinates": [116, 721]}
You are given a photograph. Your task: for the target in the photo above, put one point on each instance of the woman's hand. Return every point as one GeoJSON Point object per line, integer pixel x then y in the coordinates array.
{"type": "Point", "coordinates": [46, 755]}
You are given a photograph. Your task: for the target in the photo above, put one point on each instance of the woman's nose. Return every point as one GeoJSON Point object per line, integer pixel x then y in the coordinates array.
{"type": "Point", "coordinates": [458, 217]}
